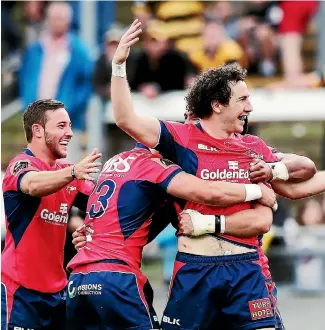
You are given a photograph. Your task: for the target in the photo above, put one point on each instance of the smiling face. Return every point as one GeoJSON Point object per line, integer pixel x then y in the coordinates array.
{"type": "Point", "coordinates": [234, 115]}
{"type": "Point", "coordinates": [57, 132]}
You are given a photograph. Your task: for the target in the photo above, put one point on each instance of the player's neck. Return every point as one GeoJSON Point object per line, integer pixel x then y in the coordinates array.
{"type": "Point", "coordinates": [215, 129]}
{"type": "Point", "coordinates": [42, 153]}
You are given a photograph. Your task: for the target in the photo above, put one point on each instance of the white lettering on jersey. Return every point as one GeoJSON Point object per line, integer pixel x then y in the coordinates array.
{"type": "Point", "coordinates": [54, 217]}
{"type": "Point", "coordinates": [118, 164]}
{"type": "Point", "coordinates": [204, 147]}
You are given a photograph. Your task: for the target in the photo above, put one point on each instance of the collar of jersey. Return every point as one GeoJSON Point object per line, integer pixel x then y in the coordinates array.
{"type": "Point", "coordinates": [141, 146]}
{"type": "Point", "coordinates": [28, 152]}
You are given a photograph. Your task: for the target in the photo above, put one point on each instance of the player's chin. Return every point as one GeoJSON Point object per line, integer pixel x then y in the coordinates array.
{"type": "Point", "coordinates": [62, 152]}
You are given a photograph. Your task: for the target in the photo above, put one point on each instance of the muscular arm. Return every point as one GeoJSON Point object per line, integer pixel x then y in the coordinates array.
{"type": "Point", "coordinates": [189, 187]}
{"type": "Point", "coordinates": [248, 223]}
{"type": "Point", "coordinates": [145, 129]}
{"type": "Point", "coordinates": [313, 186]}
{"type": "Point", "coordinates": [45, 183]}
{"type": "Point", "coordinates": [300, 168]}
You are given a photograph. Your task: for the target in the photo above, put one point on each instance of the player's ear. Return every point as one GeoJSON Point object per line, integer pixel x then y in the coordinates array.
{"type": "Point", "coordinates": [38, 131]}
{"type": "Point", "coordinates": [215, 105]}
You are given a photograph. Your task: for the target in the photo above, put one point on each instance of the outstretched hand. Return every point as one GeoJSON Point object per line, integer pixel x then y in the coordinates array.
{"type": "Point", "coordinates": [129, 38]}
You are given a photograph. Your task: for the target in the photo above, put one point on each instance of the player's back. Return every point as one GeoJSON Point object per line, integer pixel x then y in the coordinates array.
{"type": "Point", "coordinates": [36, 228]}
{"type": "Point", "coordinates": [130, 188]}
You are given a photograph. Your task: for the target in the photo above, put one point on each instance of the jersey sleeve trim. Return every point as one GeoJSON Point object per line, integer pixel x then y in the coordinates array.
{"type": "Point", "coordinates": [165, 183]}
{"type": "Point", "coordinates": [159, 135]}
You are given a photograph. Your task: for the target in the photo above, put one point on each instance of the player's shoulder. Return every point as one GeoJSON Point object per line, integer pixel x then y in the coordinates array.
{"type": "Point", "coordinates": [177, 125]}
{"type": "Point", "coordinates": [22, 161]}
{"type": "Point", "coordinates": [251, 139]}
{"type": "Point", "coordinates": [159, 161]}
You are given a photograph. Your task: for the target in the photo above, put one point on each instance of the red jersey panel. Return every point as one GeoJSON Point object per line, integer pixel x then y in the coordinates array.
{"type": "Point", "coordinates": [130, 189]}
{"type": "Point", "coordinates": [213, 159]}
{"type": "Point", "coordinates": [36, 226]}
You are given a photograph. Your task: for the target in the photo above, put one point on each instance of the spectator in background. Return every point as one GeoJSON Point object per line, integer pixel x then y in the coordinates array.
{"type": "Point", "coordinates": [216, 48]}
{"type": "Point", "coordinates": [159, 68]}
{"type": "Point", "coordinates": [103, 68]}
{"type": "Point", "coordinates": [97, 132]}
{"type": "Point", "coordinates": [295, 19]}
{"type": "Point", "coordinates": [256, 34]}
{"type": "Point", "coordinates": [58, 66]}
{"type": "Point", "coordinates": [34, 23]}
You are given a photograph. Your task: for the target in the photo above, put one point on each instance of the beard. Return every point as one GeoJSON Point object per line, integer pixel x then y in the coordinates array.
{"type": "Point", "coordinates": [53, 145]}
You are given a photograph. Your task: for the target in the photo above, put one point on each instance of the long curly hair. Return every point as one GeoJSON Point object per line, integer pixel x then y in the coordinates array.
{"type": "Point", "coordinates": [213, 84]}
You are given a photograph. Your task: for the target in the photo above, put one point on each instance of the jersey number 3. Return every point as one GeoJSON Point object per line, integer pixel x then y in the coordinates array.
{"type": "Point", "coordinates": [104, 192]}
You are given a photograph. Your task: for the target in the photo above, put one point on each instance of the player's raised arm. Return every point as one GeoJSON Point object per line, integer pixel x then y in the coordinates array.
{"type": "Point", "coordinates": [218, 193]}
{"type": "Point", "coordinates": [247, 223]}
{"type": "Point", "coordinates": [145, 129]}
{"type": "Point", "coordinates": [43, 183]}
{"type": "Point", "coordinates": [313, 186]}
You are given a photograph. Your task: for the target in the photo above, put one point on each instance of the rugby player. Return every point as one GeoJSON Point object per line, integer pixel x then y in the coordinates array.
{"type": "Point", "coordinates": [212, 149]}
{"type": "Point", "coordinates": [39, 190]}
{"type": "Point", "coordinates": [127, 209]}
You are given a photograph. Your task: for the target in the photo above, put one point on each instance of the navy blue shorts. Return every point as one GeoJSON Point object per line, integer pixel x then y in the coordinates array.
{"type": "Point", "coordinates": [224, 292]}
{"type": "Point", "coordinates": [109, 295]}
{"type": "Point", "coordinates": [28, 309]}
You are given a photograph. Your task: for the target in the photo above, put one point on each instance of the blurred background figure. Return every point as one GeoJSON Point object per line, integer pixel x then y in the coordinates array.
{"type": "Point", "coordinates": [58, 66]}
{"type": "Point", "coordinates": [98, 137]}
{"type": "Point", "coordinates": [216, 48]}
{"type": "Point", "coordinates": [33, 22]}
{"type": "Point", "coordinates": [295, 21]}
{"type": "Point", "coordinates": [160, 68]}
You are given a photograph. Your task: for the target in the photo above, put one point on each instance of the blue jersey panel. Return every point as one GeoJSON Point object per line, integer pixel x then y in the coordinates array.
{"type": "Point", "coordinates": [20, 209]}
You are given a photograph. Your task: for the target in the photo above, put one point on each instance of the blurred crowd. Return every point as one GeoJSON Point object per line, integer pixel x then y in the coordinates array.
{"type": "Point", "coordinates": [43, 56]}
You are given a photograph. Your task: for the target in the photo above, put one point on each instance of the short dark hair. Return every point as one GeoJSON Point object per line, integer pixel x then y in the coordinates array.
{"type": "Point", "coordinates": [36, 114]}
{"type": "Point", "coordinates": [213, 84]}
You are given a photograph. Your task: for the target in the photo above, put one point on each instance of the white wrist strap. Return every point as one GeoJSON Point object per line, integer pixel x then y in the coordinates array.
{"type": "Point", "coordinates": [119, 70]}
{"type": "Point", "coordinates": [279, 171]}
{"type": "Point", "coordinates": [202, 224]}
{"type": "Point", "coordinates": [205, 223]}
{"type": "Point", "coordinates": [222, 224]}
{"type": "Point", "coordinates": [253, 192]}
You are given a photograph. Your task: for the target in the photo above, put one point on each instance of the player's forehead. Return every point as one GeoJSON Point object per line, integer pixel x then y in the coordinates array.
{"type": "Point", "coordinates": [57, 116]}
{"type": "Point", "coordinates": [239, 89]}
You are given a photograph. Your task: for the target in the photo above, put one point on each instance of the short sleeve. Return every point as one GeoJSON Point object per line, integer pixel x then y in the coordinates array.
{"type": "Point", "coordinates": [16, 171]}
{"type": "Point", "coordinates": [173, 137]}
{"type": "Point", "coordinates": [269, 153]}
{"type": "Point", "coordinates": [161, 171]}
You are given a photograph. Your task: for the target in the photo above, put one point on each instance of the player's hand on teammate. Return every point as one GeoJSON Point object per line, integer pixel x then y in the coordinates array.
{"type": "Point", "coordinates": [129, 38]}
{"type": "Point", "coordinates": [87, 166]}
{"type": "Point", "coordinates": [79, 238]}
{"type": "Point", "coordinates": [268, 197]}
{"type": "Point", "coordinates": [185, 224]}
{"type": "Point", "coordinates": [260, 171]}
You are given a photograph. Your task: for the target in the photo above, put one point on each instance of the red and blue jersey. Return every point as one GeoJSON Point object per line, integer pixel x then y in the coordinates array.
{"type": "Point", "coordinates": [130, 190]}
{"type": "Point", "coordinates": [213, 159]}
{"type": "Point", "coordinates": [36, 226]}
